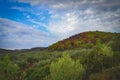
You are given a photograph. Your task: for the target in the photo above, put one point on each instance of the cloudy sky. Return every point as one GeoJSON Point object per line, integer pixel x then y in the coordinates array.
{"type": "Point", "coordinates": [37, 23]}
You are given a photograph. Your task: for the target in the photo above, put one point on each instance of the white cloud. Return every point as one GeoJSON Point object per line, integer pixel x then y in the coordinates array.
{"type": "Point", "coordinates": [18, 8]}
{"type": "Point", "coordinates": [63, 27]}
{"type": "Point", "coordinates": [37, 23]}
{"type": "Point", "coordinates": [89, 11]}
{"type": "Point", "coordinates": [18, 35]}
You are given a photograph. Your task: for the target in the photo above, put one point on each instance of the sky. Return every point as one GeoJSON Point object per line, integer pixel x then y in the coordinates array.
{"type": "Point", "coordinates": [39, 23]}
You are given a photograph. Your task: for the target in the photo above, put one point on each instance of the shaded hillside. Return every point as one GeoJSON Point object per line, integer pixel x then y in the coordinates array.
{"type": "Point", "coordinates": [33, 49]}
{"type": "Point", "coordinates": [5, 51]}
{"type": "Point", "coordinates": [83, 40]}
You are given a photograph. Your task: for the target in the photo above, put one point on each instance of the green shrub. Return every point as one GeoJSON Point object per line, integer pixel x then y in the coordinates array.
{"type": "Point", "coordinates": [38, 72]}
{"type": "Point", "coordinates": [8, 70]}
{"type": "Point", "coordinates": [66, 69]}
{"type": "Point", "coordinates": [107, 74]}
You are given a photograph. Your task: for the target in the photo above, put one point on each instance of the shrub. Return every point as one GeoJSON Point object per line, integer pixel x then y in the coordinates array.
{"type": "Point", "coordinates": [66, 69]}
{"type": "Point", "coordinates": [107, 74]}
{"type": "Point", "coordinates": [37, 72]}
{"type": "Point", "coordinates": [8, 70]}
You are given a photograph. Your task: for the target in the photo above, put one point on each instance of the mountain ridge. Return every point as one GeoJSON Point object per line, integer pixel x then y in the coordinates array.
{"type": "Point", "coordinates": [83, 40]}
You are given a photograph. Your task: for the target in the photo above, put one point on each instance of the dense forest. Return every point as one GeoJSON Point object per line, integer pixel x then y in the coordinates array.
{"type": "Point", "coordinates": [86, 56]}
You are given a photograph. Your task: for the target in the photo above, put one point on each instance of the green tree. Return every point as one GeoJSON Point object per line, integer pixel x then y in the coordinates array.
{"type": "Point", "coordinates": [8, 70]}
{"type": "Point", "coordinates": [66, 69]}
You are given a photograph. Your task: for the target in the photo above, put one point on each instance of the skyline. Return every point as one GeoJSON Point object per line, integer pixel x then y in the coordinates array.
{"type": "Point", "coordinates": [36, 23]}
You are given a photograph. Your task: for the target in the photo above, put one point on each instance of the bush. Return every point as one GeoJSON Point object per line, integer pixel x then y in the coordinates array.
{"type": "Point", "coordinates": [66, 69]}
{"type": "Point", "coordinates": [8, 70]}
{"type": "Point", "coordinates": [107, 74]}
{"type": "Point", "coordinates": [38, 73]}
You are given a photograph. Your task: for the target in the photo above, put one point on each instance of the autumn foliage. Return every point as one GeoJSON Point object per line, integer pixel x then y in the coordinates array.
{"type": "Point", "coordinates": [83, 40]}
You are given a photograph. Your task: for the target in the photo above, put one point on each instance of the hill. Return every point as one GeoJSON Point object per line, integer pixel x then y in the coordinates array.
{"type": "Point", "coordinates": [5, 51]}
{"type": "Point", "coordinates": [83, 40]}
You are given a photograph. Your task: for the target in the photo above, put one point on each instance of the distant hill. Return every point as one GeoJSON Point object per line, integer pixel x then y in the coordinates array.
{"type": "Point", "coordinates": [37, 49]}
{"type": "Point", "coordinates": [83, 40]}
{"type": "Point", "coordinates": [4, 51]}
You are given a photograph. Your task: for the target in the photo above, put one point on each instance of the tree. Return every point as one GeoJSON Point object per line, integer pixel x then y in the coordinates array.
{"type": "Point", "coordinates": [8, 70]}
{"type": "Point", "coordinates": [66, 69]}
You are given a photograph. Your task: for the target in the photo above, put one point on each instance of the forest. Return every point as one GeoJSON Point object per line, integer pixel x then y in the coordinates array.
{"type": "Point", "coordinates": [92, 55]}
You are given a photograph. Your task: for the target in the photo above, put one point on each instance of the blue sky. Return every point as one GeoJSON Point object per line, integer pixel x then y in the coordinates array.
{"type": "Point", "coordinates": [40, 23]}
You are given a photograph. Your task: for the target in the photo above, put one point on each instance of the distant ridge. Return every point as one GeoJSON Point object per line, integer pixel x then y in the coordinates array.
{"type": "Point", "coordinates": [5, 51]}
{"type": "Point", "coordinates": [37, 48]}
{"type": "Point", "coordinates": [83, 40]}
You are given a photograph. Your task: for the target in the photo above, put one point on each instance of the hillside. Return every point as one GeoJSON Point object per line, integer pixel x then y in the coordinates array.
{"type": "Point", "coordinates": [3, 51]}
{"type": "Point", "coordinates": [83, 40]}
